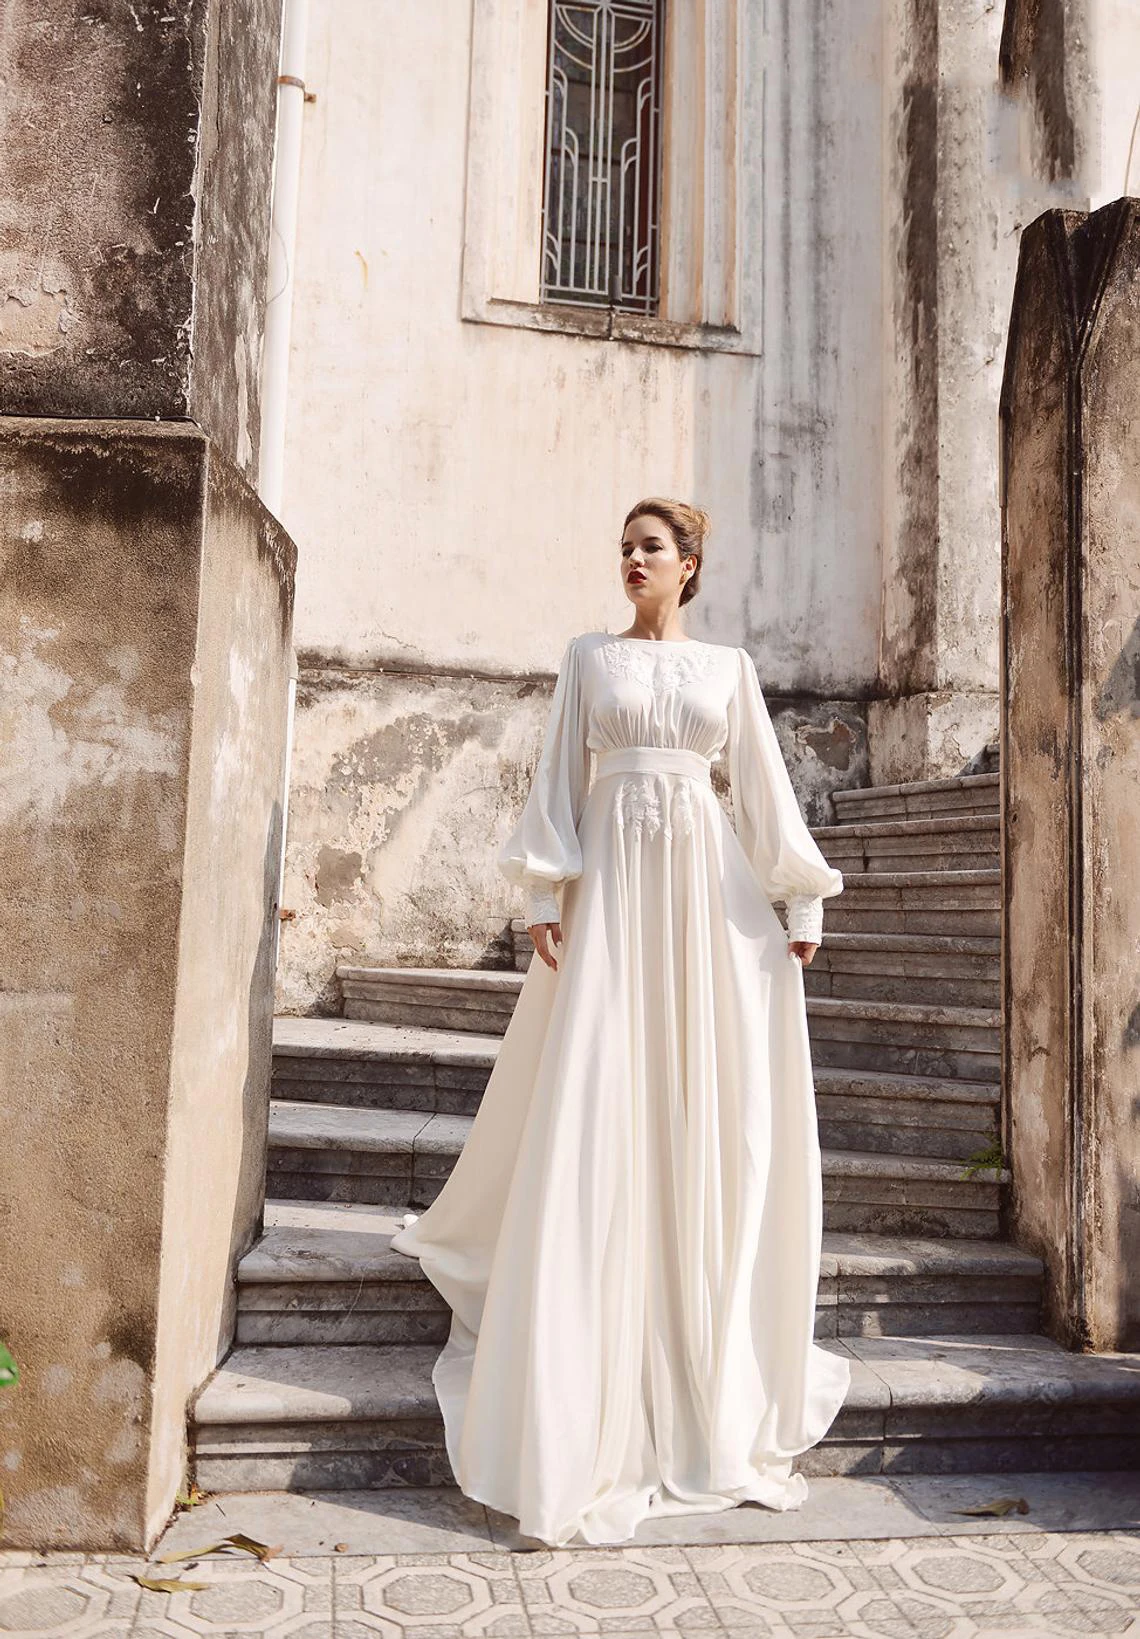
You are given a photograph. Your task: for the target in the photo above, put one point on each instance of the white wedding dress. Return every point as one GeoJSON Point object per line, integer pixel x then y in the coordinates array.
{"type": "Point", "coordinates": [630, 1240]}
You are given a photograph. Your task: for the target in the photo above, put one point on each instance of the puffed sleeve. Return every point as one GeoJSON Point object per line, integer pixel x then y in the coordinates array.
{"type": "Point", "coordinates": [782, 851]}
{"type": "Point", "coordinates": [543, 848]}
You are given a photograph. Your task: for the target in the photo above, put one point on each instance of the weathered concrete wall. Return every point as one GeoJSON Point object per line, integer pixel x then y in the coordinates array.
{"type": "Point", "coordinates": [402, 788]}
{"type": "Point", "coordinates": [223, 1024]}
{"type": "Point", "coordinates": [988, 120]}
{"type": "Point", "coordinates": [466, 506]}
{"type": "Point", "coordinates": [136, 146]}
{"type": "Point", "coordinates": [463, 516]}
{"type": "Point", "coordinates": [1045, 59]}
{"type": "Point", "coordinates": [144, 624]}
{"type": "Point", "coordinates": [1071, 764]}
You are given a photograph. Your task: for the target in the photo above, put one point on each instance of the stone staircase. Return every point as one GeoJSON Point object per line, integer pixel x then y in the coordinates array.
{"type": "Point", "coordinates": [329, 1384]}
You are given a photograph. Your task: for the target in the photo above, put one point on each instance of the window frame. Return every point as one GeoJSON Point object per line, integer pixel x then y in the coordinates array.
{"type": "Point", "coordinates": [702, 302]}
{"type": "Point", "coordinates": [577, 149]}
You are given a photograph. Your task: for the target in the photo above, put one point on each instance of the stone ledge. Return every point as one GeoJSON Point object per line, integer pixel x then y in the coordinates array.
{"type": "Point", "coordinates": [326, 1245]}
{"type": "Point", "coordinates": [263, 1386]}
{"type": "Point", "coordinates": [904, 1013]}
{"type": "Point", "coordinates": [950, 825]}
{"type": "Point", "coordinates": [327, 1129]}
{"type": "Point", "coordinates": [918, 788]}
{"type": "Point", "coordinates": [835, 1081]}
{"type": "Point", "coordinates": [301, 1038]}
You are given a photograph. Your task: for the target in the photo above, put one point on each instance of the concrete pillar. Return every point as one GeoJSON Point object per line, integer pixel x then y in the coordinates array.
{"type": "Point", "coordinates": [1070, 750]}
{"type": "Point", "coordinates": [145, 635]}
{"type": "Point", "coordinates": [136, 147]}
{"type": "Point", "coordinates": [987, 121]}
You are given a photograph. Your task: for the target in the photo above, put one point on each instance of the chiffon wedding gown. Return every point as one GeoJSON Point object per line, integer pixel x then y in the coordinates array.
{"type": "Point", "coordinates": [630, 1240]}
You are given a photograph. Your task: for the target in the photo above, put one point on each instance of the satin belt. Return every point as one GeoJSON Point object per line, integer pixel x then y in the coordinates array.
{"type": "Point", "coordinates": [652, 760]}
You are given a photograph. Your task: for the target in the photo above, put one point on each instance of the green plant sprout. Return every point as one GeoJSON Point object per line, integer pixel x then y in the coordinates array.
{"type": "Point", "coordinates": [983, 1160]}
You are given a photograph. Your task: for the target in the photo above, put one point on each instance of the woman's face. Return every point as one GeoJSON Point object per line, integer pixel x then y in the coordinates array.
{"type": "Point", "coordinates": [653, 571]}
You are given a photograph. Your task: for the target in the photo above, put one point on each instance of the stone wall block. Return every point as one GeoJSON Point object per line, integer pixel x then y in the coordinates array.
{"type": "Point", "coordinates": [145, 626]}
{"type": "Point", "coordinates": [136, 145]}
{"type": "Point", "coordinates": [1071, 765]}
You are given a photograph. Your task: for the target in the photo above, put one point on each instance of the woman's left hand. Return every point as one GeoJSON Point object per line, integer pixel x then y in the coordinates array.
{"type": "Point", "coordinates": [801, 948]}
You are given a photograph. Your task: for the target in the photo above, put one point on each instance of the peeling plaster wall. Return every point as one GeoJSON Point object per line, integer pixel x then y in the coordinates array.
{"type": "Point", "coordinates": [457, 489]}
{"type": "Point", "coordinates": [96, 758]}
{"type": "Point", "coordinates": [803, 595]}
{"type": "Point", "coordinates": [144, 636]}
{"type": "Point", "coordinates": [403, 788]}
{"type": "Point", "coordinates": [136, 145]}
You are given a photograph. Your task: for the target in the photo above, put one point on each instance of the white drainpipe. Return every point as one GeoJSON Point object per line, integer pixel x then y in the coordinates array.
{"type": "Point", "coordinates": [279, 306]}
{"type": "Point", "coordinates": [279, 323]}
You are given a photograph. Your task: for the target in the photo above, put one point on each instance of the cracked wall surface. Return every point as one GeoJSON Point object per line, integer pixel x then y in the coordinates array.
{"type": "Point", "coordinates": [402, 790]}
{"type": "Point", "coordinates": [136, 146]}
{"type": "Point", "coordinates": [145, 619]}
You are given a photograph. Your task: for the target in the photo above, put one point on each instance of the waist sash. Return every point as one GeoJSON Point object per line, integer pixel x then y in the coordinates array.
{"type": "Point", "coordinates": [653, 760]}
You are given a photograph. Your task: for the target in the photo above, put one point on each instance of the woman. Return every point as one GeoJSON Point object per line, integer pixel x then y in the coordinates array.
{"type": "Point", "coordinates": [630, 1239]}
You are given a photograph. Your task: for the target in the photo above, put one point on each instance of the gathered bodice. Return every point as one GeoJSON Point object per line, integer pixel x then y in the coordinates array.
{"type": "Point", "coordinates": [642, 692]}
{"type": "Point", "coordinates": [623, 698]}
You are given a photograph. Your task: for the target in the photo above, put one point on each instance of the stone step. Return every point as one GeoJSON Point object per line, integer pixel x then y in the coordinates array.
{"type": "Point", "coordinates": [893, 1114]}
{"type": "Point", "coordinates": [471, 999]}
{"type": "Point", "coordinates": [383, 1067]}
{"type": "Point", "coordinates": [325, 1273]}
{"type": "Point", "coordinates": [333, 1418]}
{"type": "Point", "coordinates": [920, 799]}
{"type": "Point", "coordinates": [967, 842]}
{"type": "Point", "coordinates": [910, 967]}
{"type": "Point", "coordinates": [324, 1152]}
{"type": "Point", "coordinates": [924, 902]}
{"type": "Point", "coordinates": [379, 1066]}
{"type": "Point", "coordinates": [923, 1039]}
{"type": "Point", "coordinates": [478, 1002]}
{"type": "Point", "coordinates": [877, 1193]}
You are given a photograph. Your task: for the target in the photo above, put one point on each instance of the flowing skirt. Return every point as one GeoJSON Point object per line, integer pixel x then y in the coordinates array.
{"type": "Point", "coordinates": [630, 1240]}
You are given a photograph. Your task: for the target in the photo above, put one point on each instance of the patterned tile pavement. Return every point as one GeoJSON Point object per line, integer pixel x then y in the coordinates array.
{"type": "Point", "coordinates": [1020, 1584]}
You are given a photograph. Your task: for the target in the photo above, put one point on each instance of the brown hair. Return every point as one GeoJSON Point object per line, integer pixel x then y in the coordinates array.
{"type": "Point", "coordinates": [689, 526]}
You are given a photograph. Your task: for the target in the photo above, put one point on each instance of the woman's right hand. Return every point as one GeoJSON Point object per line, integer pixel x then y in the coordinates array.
{"type": "Point", "coordinates": [539, 932]}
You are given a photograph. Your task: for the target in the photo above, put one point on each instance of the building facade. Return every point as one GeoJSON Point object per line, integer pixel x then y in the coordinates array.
{"type": "Point", "coordinates": [553, 258]}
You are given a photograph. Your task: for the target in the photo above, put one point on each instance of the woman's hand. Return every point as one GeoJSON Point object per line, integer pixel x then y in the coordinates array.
{"type": "Point", "coordinates": [801, 948]}
{"type": "Point", "coordinates": [539, 932]}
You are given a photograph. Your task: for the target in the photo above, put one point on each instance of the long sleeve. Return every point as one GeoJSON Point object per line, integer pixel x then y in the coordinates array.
{"type": "Point", "coordinates": [542, 850]}
{"type": "Point", "coordinates": [782, 851]}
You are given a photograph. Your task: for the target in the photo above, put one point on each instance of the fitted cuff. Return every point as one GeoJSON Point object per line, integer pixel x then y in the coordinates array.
{"type": "Point", "coordinates": [541, 906]}
{"type": "Point", "coordinates": [804, 915]}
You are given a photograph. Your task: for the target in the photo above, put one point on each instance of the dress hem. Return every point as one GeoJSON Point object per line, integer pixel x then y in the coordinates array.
{"type": "Point", "coordinates": [662, 1500]}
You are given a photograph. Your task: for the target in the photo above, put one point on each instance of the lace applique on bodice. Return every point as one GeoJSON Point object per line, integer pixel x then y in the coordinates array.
{"type": "Point", "coordinates": [646, 805]}
{"type": "Point", "coordinates": [659, 666]}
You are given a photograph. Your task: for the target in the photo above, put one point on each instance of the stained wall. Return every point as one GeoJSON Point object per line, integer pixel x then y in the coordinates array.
{"type": "Point", "coordinates": [457, 487]}
{"type": "Point", "coordinates": [1071, 753]}
{"type": "Point", "coordinates": [145, 610]}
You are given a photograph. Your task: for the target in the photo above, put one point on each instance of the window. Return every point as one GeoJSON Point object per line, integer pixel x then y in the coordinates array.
{"type": "Point", "coordinates": [602, 154]}
{"type": "Point", "coordinates": [615, 170]}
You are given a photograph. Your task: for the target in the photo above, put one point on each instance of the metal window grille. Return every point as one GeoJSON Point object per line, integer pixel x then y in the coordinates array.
{"type": "Point", "coordinates": [600, 239]}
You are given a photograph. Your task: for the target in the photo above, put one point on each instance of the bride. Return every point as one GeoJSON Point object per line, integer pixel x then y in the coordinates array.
{"type": "Point", "coordinates": [630, 1240]}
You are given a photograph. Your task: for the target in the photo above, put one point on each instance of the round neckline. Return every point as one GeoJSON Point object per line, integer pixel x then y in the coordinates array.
{"type": "Point", "coordinates": [658, 642]}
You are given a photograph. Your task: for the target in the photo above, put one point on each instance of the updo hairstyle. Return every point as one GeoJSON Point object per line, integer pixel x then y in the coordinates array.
{"type": "Point", "coordinates": [689, 524]}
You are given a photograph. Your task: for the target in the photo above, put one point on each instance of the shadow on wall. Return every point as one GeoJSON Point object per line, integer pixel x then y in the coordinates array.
{"type": "Point", "coordinates": [985, 761]}
{"type": "Point", "coordinates": [258, 1079]}
{"type": "Point", "coordinates": [1121, 691]}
